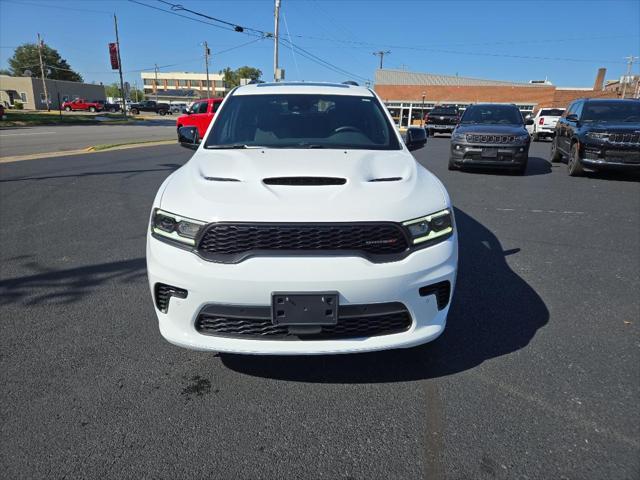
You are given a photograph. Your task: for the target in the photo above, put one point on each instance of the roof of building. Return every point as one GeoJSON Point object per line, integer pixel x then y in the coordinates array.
{"type": "Point", "coordinates": [403, 77]}
{"type": "Point", "coordinates": [324, 88]}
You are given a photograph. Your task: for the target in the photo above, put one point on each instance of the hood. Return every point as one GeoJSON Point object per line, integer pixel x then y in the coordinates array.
{"type": "Point", "coordinates": [492, 129]}
{"type": "Point", "coordinates": [303, 186]}
{"type": "Point", "coordinates": [614, 127]}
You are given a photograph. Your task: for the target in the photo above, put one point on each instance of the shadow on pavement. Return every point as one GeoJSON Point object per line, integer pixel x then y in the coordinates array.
{"type": "Point", "coordinates": [165, 167]}
{"type": "Point", "coordinates": [70, 285]}
{"type": "Point", "coordinates": [535, 166]}
{"type": "Point", "coordinates": [494, 313]}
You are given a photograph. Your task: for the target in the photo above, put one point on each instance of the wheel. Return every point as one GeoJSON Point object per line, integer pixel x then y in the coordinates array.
{"type": "Point", "coordinates": [574, 166]}
{"type": "Point", "coordinates": [452, 165]}
{"type": "Point", "coordinates": [556, 156]}
{"type": "Point", "coordinates": [135, 111]}
{"type": "Point", "coordinates": [67, 109]}
{"type": "Point", "coordinates": [92, 109]}
{"type": "Point", "coordinates": [162, 112]}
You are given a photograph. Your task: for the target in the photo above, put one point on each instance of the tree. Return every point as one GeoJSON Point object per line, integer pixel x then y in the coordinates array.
{"type": "Point", "coordinates": [26, 57]}
{"type": "Point", "coordinates": [4, 71]}
{"type": "Point", "coordinates": [232, 77]}
{"type": "Point", "coordinates": [113, 90]}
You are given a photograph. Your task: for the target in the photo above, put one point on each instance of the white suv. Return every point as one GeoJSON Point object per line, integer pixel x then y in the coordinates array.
{"type": "Point", "coordinates": [301, 225]}
{"type": "Point", "coordinates": [544, 123]}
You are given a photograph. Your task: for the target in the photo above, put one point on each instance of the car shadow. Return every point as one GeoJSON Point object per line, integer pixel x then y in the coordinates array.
{"type": "Point", "coordinates": [494, 312]}
{"type": "Point", "coordinates": [164, 167]}
{"type": "Point", "coordinates": [606, 175]}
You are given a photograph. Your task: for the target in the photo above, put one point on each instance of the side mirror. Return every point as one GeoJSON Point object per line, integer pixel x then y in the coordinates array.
{"type": "Point", "coordinates": [529, 121]}
{"type": "Point", "coordinates": [572, 117]}
{"type": "Point", "coordinates": [416, 138]}
{"type": "Point", "coordinates": [189, 137]}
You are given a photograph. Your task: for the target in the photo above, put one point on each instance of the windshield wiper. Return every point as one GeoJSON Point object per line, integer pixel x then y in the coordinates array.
{"type": "Point", "coordinates": [233, 145]}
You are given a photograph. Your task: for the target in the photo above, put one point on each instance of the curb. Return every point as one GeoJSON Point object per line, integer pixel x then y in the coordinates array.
{"type": "Point", "coordinates": [64, 153]}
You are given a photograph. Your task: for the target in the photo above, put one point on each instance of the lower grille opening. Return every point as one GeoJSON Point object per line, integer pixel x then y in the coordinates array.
{"type": "Point", "coordinates": [163, 294]}
{"type": "Point", "coordinates": [354, 321]}
{"type": "Point", "coordinates": [442, 291]}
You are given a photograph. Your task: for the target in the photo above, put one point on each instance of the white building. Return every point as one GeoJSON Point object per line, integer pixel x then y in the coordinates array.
{"type": "Point", "coordinates": [181, 86]}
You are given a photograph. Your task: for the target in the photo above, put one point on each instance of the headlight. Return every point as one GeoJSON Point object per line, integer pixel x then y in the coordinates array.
{"type": "Point", "coordinates": [597, 135]}
{"type": "Point", "coordinates": [430, 228]}
{"type": "Point", "coordinates": [457, 137]}
{"type": "Point", "coordinates": [175, 227]}
{"type": "Point", "coordinates": [522, 138]}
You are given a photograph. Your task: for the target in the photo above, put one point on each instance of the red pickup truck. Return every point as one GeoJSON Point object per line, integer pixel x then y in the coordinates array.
{"type": "Point", "coordinates": [81, 104]}
{"type": "Point", "coordinates": [200, 114]}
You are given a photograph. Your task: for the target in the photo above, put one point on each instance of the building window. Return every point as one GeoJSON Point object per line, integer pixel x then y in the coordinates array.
{"type": "Point", "coordinates": [218, 83]}
{"type": "Point", "coordinates": [148, 81]}
{"type": "Point", "coordinates": [182, 83]}
{"type": "Point", "coordinates": [43, 99]}
{"type": "Point", "coordinates": [23, 96]}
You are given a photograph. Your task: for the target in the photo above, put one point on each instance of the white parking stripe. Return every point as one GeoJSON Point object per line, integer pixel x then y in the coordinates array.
{"type": "Point", "coordinates": [32, 133]}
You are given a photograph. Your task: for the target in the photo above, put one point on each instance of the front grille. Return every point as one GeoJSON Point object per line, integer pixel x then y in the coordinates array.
{"type": "Point", "coordinates": [442, 291]}
{"type": "Point", "coordinates": [624, 138]}
{"type": "Point", "coordinates": [354, 321]}
{"type": "Point", "coordinates": [478, 138]}
{"type": "Point", "coordinates": [230, 243]}
{"type": "Point", "coordinates": [163, 294]}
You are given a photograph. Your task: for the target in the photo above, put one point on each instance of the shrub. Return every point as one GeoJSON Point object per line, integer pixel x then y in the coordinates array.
{"type": "Point", "coordinates": [18, 105]}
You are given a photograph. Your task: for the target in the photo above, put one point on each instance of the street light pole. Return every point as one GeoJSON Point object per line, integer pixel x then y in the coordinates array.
{"type": "Point", "coordinates": [156, 82]}
{"type": "Point", "coordinates": [423, 95]}
{"type": "Point", "coordinates": [124, 104]}
{"type": "Point", "coordinates": [44, 84]}
{"type": "Point", "coordinates": [206, 66]}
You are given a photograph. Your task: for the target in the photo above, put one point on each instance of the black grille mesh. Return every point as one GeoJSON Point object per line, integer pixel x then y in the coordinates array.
{"type": "Point", "coordinates": [624, 137]}
{"type": "Point", "coordinates": [263, 328]}
{"type": "Point", "coordinates": [163, 294]}
{"type": "Point", "coordinates": [370, 238]}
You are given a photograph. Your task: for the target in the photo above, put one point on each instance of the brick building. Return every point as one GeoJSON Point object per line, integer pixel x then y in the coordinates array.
{"type": "Point", "coordinates": [408, 95]}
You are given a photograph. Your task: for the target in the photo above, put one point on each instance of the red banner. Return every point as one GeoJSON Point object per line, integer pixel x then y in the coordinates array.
{"type": "Point", "coordinates": [113, 53]}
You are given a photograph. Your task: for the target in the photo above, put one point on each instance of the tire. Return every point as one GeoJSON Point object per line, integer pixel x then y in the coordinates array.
{"type": "Point", "coordinates": [162, 113]}
{"type": "Point", "coordinates": [556, 156]}
{"type": "Point", "coordinates": [452, 165]}
{"type": "Point", "coordinates": [135, 111]}
{"type": "Point", "coordinates": [92, 109]}
{"type": "Point", "coordinates": [67, 109]}
{"type": "Point", "coordinates": [574, 167]}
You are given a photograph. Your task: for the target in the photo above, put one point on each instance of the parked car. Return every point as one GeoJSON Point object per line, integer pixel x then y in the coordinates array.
{"type": "Point", "coordinates": [442, 119]}
{"type": "Point", "coordinates": [107, 106]}
{"type": "Point", "coordinates": [260, 243]}
{"type": "Point", "coordinates": [80, 104]}
{"type": "Point", "coordinates": [544, 123]}
{"type": "Point", "coordinates": [178, 107]}
{"type": "Point", "coordinates": [150, 106]}
{"type": "Point", "coordinates": [598, 134]}
{"type": "Point", "coordinates": [199, 115]}
{"type": "Point", "coordinates": [493, 136]}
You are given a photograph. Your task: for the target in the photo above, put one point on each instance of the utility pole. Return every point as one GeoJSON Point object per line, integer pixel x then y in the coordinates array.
{"type": "Point", "coordinates": [275, 42]}
{"type": "Point", "coordinates": [206, 65]}
{"type": "Point", "coordinates": [124, 104]}
{"type": "Point", "coordinates": [44, 84]}
{"type": "Point", "coordinates": [630, 59]}
{"type": "Point", "coordinates": [381, 54]}
{"type": "Point", "coordinates": [156, 82]}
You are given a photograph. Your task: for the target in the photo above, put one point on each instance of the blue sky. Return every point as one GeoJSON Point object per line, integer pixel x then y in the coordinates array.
{"type": "Point", "coordinates": [564, 40]}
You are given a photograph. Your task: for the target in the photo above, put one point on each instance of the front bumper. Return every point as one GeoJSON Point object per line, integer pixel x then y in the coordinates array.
{"type": "Point", "coordinates": [506, 156]}
{"type": "Point", "coordinates": [251, 283]}
{"type": "Point", "coordinates": [602, 156]}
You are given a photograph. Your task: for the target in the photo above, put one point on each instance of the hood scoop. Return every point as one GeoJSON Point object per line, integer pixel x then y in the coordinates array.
{"type": "Point", "coordinates": [221, 179]}
{"type": "Point", "coordinates": [304, 181]}
{"type": "Point", "coordinates": [386, 179]}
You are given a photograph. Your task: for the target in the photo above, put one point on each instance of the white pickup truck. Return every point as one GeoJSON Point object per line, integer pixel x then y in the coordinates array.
{"type": "Point", "coordinates": [544, 123]}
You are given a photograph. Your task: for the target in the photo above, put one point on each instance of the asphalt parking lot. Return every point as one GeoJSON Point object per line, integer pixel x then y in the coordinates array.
{"type": "Point", "coordinates": [536, 376]}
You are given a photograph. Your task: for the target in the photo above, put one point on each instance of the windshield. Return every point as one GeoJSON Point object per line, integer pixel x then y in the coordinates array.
{"type": "Point", "coordinates": [621, 111]}
{"type": "Point", "coordinates": [551, 112]}
{"type": "Point", "coordinates": [490, 114]}
{"type": "Point", "coordinates": [444, 111]}
{"type": "Point", "coordinates": [303, 121]}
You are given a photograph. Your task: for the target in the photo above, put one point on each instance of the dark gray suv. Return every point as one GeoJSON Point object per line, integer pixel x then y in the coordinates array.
{"type": "Point", "coordinates": [490, 136]}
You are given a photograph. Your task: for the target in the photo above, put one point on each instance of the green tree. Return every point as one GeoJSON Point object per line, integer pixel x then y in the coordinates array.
{"type": "Point", "coordinates": [113, 90]}
{"type": "Point", "coordinates": [26, 57]}
{"type": "Point", "coordinates": [4, 71]}
{"type": "Point", "coordinates": [232, 77]}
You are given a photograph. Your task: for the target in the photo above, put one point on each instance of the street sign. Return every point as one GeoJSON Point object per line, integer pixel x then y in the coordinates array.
{"type": "Point", "coordinates": [113, 54]}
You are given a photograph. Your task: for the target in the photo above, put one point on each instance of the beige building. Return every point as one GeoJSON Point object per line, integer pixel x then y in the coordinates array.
{"type": "Point", "coordinates": [181, 86]}
{"type": "Point", "coordinates": [29, 92]}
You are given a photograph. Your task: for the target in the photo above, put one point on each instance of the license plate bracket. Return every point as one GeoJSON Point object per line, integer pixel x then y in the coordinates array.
{"type": "Point", "coordinates": [490, 152]}
{"type": "Point", "coordinates": [304, 308]}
